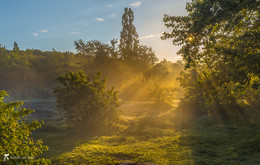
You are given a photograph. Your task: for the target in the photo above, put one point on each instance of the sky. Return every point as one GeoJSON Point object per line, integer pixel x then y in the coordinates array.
{"type": "Point", "coordinates": [56, 24]}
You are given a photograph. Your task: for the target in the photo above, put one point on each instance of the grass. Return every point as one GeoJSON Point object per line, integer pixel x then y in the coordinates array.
{"type": "Point", "coordinates": [221, 144]}
{"type": "Point", "coordinates": [118, 149]}
{"type": "Point", "coordinates": [155, 140]}
{"type": "Point", "coordinates": [201, 145]}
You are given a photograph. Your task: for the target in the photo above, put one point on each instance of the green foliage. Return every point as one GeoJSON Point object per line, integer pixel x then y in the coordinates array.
{"type": "Point", "coordinates": [128, 37]}
{"type": "Point", "coordinates": [15, 134]}
{"type": "Point", "coordinates": [95, 49]}
{"type": "Point", "coordinates": [223, 38]}
{"type": "Point", "coordinates": [146, 55]}
{"type": "Point", "coordinates": [130, 49]}
{"type": "Point", "coordinates": [85, 100]}
{"type": "Point", "coordinates": [30, 74]}
{"type": "Point", "coordinates": [219, 43]}
{"type": "Point", "coordinates": [163, 97]}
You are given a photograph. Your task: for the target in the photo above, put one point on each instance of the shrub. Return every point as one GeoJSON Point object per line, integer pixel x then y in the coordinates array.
{"type": "Point", "coordinates": [85, 101]}
{"type": "Point", "coordinates": [15, 135]}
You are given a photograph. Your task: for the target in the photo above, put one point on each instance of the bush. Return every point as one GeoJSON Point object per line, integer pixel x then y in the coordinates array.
{"type": "Point", "coordinates": [15, 135]}
{"type": "Point", "coordinates": [85, 101]}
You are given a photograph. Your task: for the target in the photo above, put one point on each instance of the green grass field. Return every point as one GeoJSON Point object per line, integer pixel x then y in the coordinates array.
{"type": "Point", "coordinates": [154, 140]}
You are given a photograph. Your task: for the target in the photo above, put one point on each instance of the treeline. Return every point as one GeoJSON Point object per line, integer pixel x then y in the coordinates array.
{"type": "Point", "coordinates": [31, 74]}
{"type": "Point", "coordinates": [128, 65]}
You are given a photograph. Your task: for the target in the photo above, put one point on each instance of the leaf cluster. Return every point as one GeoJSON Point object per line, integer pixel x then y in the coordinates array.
{"type": "Point", "coordinates": [83, 99]}
{"type": "Point", "coordinates": [16, 131]}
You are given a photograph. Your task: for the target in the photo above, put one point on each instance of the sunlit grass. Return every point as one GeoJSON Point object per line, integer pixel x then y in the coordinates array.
{"type": "Point", "coordinates": [118, 149]}
{"type": "Point", "coordinates": [155, 139]}
{"type": "Point", "coordinates": [215, 144]}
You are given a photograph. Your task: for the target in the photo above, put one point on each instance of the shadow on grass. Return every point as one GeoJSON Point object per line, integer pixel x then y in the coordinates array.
{"type": "Point", "coordinates": [154, 139]}
{"type": "Point", "coordinates": [223, 142]}
{"type": "Point", "coordinates": [60, 139]}
{"type": "Point", "coordinates": [218, 145]}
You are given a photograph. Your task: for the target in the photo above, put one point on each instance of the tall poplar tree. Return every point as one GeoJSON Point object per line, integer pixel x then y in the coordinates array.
{"type": "Point", "coordinates": [128, 37]}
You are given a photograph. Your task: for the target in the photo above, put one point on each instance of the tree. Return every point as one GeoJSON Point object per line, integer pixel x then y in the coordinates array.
{"type": "Point", "coordinates": [16, 48]}
{"type": "Point", "coordinates": [85, 100]}
{"type": "Point", "coordinates": [220, 40]}
{"type": "Point", "coordinates": [131, 51]}
{"type": "Point", "coordinates": [114, 48]}
{"type": "Point", "coordinates": [97, 50]}
{"type": "Point", "coordinates": [227, 32]}
{"type": "Point", "coordinates": [146, 55]}
{"type": "Point", "coordinates": [15, 134]}
{"type": "Point", "coordinates": [128, 37]}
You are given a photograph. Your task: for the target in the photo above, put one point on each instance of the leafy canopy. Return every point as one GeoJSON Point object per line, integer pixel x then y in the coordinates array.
{"type": "Point", "coordinates": [220, 43]}
{"type": "Point", "coordinates": [219, 33]}
{"type": "Point", "coordinates": [15, 133]}
{"type": "Point", "coordinates": [85, 100]}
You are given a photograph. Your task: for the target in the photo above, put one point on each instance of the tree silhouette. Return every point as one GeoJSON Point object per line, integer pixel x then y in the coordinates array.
{"type": "Point", "coordinates": [128, 37]}
{"type": "Point", "coordinates": [16, 47]}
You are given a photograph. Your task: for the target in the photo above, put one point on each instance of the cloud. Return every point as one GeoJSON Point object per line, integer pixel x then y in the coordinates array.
{"type": "Point", "coordinates": [35, 34]}
{"type": "Point", "coordinates": [100, 19]}
{"type": "Point", "coordinates": [113, 15]}
{"type": "Point", "coordinates": [43, 31]}
{"type": "Point", "coordinates": [74, 33]}
{"type": "Point", "coordinates": [40, 31]}
{"type": "Point", "coordinates": [109, 5]}
{"type": "Point", "coordinates": [136, 4]}
{"type": "Point", "coordinates": [151, 36]}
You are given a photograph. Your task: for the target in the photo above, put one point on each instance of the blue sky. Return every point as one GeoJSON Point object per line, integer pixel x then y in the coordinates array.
{"type": "Point", "coordinates": [47, 24]}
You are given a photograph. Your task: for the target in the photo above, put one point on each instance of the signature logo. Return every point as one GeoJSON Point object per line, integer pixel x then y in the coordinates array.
{"type": "Point", "coordinates": [6, 157]}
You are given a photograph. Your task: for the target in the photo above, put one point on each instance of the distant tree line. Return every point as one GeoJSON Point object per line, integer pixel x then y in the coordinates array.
{"type": "Point", "coordinates": [30, 74]}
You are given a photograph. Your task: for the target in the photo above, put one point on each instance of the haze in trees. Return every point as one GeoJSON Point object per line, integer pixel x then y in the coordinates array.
{"type": "Point", "coordinates": [200, 110]}
{"type": "Point", "coordinates": [220, 46]}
